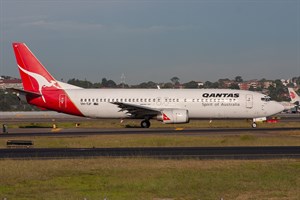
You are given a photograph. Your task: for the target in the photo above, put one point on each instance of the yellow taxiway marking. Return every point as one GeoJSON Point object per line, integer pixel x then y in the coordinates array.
{"type": "Point", "coordinates": [56, 130]}
{"type": "Point", "coordinates": [178, 129]}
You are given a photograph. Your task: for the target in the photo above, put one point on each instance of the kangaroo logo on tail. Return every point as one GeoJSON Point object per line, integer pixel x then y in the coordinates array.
{"type": "Point", "coordinates": [42, 81]}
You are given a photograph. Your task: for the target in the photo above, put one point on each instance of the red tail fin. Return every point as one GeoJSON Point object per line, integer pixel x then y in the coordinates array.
{"type": "Point", "coordinates": [34, 76]}
{"type": "Point", "coordinates": [40, 88]}
{"type": "Point", "coordinates": [31, 69]}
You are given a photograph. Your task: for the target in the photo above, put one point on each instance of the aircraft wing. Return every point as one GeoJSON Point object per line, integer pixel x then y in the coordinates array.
{"type": "Point", "coordinates": [136, 111]}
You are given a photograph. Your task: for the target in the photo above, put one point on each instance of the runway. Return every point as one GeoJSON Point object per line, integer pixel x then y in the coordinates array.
{"type": "Point", "coordinates": [157, 152]}
{"type": "Point", "coordinates": [50, 116]}
{"type": "Point", "coordinates": [42, 132]}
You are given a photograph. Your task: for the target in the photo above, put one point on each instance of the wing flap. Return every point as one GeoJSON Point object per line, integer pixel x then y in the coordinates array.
{"type": "Point", "coordinates": [137, 111]}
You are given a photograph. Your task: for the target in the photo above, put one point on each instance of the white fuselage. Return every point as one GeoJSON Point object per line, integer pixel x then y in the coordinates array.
{"type": "Point", "coordinates": [166, 105]}
{"type": "Point", "coordinates": [200, 103]}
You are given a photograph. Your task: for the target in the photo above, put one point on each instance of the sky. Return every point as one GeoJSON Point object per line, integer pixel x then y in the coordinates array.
{"type": "Point", "coordinates": [200, 40]}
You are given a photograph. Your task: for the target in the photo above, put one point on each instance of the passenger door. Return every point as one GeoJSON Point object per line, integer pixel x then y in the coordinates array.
{"type": "Point", "coordinates": [249, 101]}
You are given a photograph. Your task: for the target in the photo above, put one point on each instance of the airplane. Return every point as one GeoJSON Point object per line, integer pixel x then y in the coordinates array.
{"type": "Point", "coordinates": [170, 106]}
{"type": "Point", "coordinates": [294, 96]}
{"type": "Point", "coordinates": [287, 105]}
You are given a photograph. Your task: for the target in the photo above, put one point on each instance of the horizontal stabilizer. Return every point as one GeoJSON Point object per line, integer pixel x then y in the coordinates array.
{"type": "Point", "coordinates": [24, 92]}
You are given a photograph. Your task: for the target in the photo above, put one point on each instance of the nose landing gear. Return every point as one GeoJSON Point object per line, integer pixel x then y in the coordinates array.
{"type": "Point", "coordinates": [145, 124]}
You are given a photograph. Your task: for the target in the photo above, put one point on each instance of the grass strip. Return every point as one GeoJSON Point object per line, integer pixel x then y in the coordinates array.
{"type": "Point", "coordinates": [139, 140]}
{"type": "Point", "coordinates": [138, 178]}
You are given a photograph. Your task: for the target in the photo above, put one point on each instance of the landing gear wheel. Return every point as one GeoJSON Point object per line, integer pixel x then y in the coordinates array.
{"type": "Point", "coordinates": [145, 124]}
{"type": "Point", "coordinates": [254, 125]}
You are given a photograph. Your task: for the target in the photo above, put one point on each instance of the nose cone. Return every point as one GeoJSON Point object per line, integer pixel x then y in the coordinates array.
{"type": "Point", "coordinates": [275, 108]}
{"type": "Point", "coordinates": [287, 105]}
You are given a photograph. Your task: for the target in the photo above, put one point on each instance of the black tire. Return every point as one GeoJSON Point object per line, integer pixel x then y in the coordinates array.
{"type": "Point", "coordinates": [145, 124]}
{"type": "Point", "coordinates": [254, 125]}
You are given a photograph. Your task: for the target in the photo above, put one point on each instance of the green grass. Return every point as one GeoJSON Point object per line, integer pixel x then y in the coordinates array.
{"type": "Point", "coordinates": [148, 140]}
{"type": "Point", "coordinates": [138, 178]}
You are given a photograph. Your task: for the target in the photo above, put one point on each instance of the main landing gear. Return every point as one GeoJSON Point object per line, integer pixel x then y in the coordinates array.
{"type": "Point", "coordinates": [145, 124]}
{"type": "Point", "coordinates": [254, 125]}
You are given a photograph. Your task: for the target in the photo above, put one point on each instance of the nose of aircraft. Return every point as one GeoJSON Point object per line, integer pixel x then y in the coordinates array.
{"type": "Point", "coordinates": [276, 107]}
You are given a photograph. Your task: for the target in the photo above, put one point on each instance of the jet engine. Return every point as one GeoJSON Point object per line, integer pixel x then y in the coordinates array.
{"type": "Point", "coordinates": [174, 116]}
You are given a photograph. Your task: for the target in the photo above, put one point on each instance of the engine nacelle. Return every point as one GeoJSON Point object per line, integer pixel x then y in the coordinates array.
{"type": "Point", "coordinates": [174, 116]}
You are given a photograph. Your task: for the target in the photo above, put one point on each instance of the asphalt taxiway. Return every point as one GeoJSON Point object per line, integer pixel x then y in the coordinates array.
{"type": "Point", "coordinates": [50, 116]}
{"type": "Point", "coordinates": [156, 152]}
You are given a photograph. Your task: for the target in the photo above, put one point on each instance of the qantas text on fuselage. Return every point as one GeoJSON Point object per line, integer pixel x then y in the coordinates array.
{"type": "Point", "coordinates": [224, 95]}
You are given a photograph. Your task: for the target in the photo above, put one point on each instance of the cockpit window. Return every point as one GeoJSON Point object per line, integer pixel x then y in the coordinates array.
{"type": "Point", "coordinates": [266, 98]}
